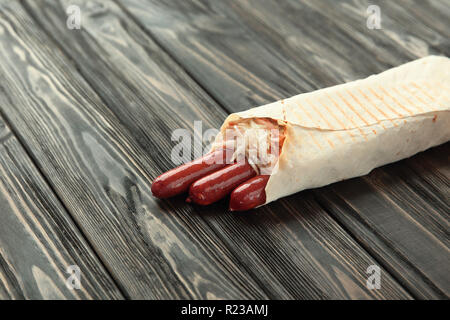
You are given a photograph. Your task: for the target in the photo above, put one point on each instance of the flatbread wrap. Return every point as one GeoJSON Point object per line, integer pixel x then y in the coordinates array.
{"type": "Point", "coordinates": [347, 130]}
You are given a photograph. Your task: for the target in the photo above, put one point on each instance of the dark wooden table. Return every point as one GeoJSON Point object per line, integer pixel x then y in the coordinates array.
{"type": "Point", "coordinates": [86, 117]}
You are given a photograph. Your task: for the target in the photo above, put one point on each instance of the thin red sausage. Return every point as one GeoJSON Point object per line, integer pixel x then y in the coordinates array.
{"type": "Point", "coordinates": [219, 184]}
{"type": "Point", "coordinates": [178, 180]}
{"type": "Point", "coordinates": [250, 194]}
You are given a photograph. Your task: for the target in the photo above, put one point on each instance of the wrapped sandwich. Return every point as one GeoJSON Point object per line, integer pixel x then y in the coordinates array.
{"type": "Point", "coordinates": [321, 137]}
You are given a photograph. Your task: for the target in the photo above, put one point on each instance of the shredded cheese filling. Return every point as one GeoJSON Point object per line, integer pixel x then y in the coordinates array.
{"type": "Point", "coordinates": [258, 140]}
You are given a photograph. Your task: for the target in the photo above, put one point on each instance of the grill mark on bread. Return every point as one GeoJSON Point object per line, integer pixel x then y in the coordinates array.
{"type": "Point", "coordinates": [395, 100]}
{"type": "Point", "coordinates": [336, 118]}
{"type": "Point", "coordinates": [324, 119]}
{"type": "Point", "coordinates": [366, 109]}
{"type": "Point", "coordinates": [348, 104]}
{"type": "Point", "coordinates": [440, 85]}
{"type": "Point", "coordinates": [375, 106]}
{"type": "Point", "coordinates": [307, 114]}
{"type": "Point", "coordinates": [385, 103]}
{"type": "Point", "coordinates": [415, 96]}
{"type": "Point", "coordinates": [403, 100]}
{"type": "Point", "coordinates": [331, 143]}
{"type": "Point", "coordinates": [312, 136]}
{"type": "Point", "coordinates": [346, 117]}
{"type": "Point", "coordinates": [421, 90]}
{"type": "Point", "coordinates": [408, 100]}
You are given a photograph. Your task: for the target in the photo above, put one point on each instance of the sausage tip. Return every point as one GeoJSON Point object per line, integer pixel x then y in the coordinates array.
{"type": "Point", "coordinates": [178, 180]}
{"type": "Point", "coordinates": [249, 195]}
{"type": "Point", "coordinates": [157, 188]}
{"type": "Point", "coordinates": [219, 184]}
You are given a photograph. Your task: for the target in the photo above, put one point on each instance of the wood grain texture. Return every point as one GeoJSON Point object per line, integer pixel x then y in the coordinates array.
{"type": "Point", "coordinates": [415, 235]}
{"type": "Point", "coordinates": [283, 252]}
{"type": "Point", "coordinates": [152, 249]}
{"type": "Point", "coordinates": [414, 28]}
{"type": "Point", "coordinates": [434, 171]}
{"type": "Point", "coordinates": [246, 53]}
{"type": "Point", "coordinates": [409, 207]}
{"type": "Point", "coordinates": [38, 239]}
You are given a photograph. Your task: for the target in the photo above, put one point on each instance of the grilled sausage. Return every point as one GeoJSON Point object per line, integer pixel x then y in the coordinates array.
{"type": "Point", "coordinates": [250, 194]}
{"type": "Point", "coordinates": [178, 180]}
{"type": "Point", "coordinates": [219, 184]}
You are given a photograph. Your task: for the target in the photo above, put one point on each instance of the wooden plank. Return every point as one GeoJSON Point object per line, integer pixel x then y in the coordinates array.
{"type": "Point", "coordinates": [393, 183]}
{"type": "Point", "coordinates": [263, 241]}
{"type": "Point", "coordinates": [252, 52]}
{"type": "Point", "coordinates": [38, 239]}
{"type": "Point", "coordinates": [417, 237]}
{"type": "Point", "coordinates": [152, 249]}
{"type": "Point", "coordinates": [410, 27]}
{"type": "Point", "coordinates": [434, 171]}
{"type": "Point", "coordinates": [346, 17]}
